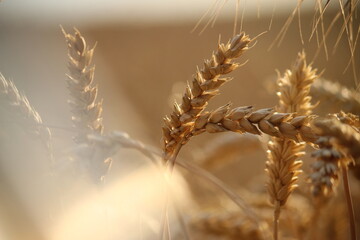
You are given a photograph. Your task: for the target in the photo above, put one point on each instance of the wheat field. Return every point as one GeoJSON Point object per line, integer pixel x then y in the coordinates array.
{"type": "Point", "coordinates": [226, 127]}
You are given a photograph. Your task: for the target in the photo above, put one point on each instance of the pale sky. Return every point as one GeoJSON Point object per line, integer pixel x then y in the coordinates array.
{"type": "Point", "coordinates": [97, 11]}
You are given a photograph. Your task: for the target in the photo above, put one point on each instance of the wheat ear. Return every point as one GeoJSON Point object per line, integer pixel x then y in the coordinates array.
{"type": "Point", "coordinates": [326, 168]}
{"type": "Point", "coordinates": [349, 119]}
{"type": "Point", "coordinates": [347, 140]}
{"type": "Point", "coordinates": [86, 110]}
{"type": "Point", "coordinates": [347, 99]}
{"type": "Point", "coordinates": [204, 86]}
{"type": "Point", "coordinates": [342, 136]}
{"type": "Point", "coordinates": [283, 165]}
{"type": "Point", "coordinates": [246, 120]}
{"type": "Point", "coordinates": [30, 119]}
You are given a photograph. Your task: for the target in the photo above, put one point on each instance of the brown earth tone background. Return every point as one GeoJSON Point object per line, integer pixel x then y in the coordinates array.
{"type": "Point", "coordinates": [139, 69]}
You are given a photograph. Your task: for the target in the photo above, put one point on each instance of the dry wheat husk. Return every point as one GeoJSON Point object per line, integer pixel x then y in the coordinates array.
{"type": "Point", "coordinates": [25, 113]}
{"type": "Point", "coordinates": [203, 87]}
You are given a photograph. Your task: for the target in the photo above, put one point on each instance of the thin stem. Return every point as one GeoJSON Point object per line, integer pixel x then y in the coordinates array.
{"type": "Point", "coordinates": [276, 219]}
{"type": "Point", "coordinates": [168, 172]}
{"type": "Point", "coordinates": [349, 203]}
{"type": "Point", "coordinates": [312, 233]}
{"type": "Point", "coordinates": [204, 174]}
{"type": "Point", "coordinates": [229, 192]}
{"type": "Point", "coordinates": [182, 222]}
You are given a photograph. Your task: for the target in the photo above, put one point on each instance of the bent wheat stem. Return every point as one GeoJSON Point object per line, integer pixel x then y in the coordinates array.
{"type": "Point", "coordinates": [349, 203]}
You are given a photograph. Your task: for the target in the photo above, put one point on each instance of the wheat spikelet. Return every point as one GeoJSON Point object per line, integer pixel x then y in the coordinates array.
{"type": "Point", "coordinates": [28, 116]}
{"type": "Point", "coordinates": [246, 120]}
{"type": "Point", "coordinates": [86, 110]}
{"type": "Point", "coordinates": [347, 99]}
{"type": "Point", "coordinates": [283, 165]}
{"type": "Point", "coordinates": [204, 86]}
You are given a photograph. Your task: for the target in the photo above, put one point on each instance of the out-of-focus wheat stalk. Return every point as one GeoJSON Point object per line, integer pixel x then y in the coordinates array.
{"type": "Point", "coordinates": [225, 147]}
{"type": "Point", "coordinates": [283, 165]}
{"type": "Point", "coordinates": [85, 108]}
{"type": "Point", "coordinates": [24, 113]}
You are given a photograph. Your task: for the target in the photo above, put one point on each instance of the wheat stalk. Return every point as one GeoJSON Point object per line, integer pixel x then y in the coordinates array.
{"type": "Point", "coordinates": [29, 118]}
{"type": "Point", "coordinates": [85, 108]}
{"type": "Point", "coordinates": [283, 165]}
{"type": "Point", "coordinates": [204, 86]}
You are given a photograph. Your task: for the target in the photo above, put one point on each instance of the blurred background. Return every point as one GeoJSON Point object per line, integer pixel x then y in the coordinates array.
{"type": "Point", "coordinates": [146, 52]}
